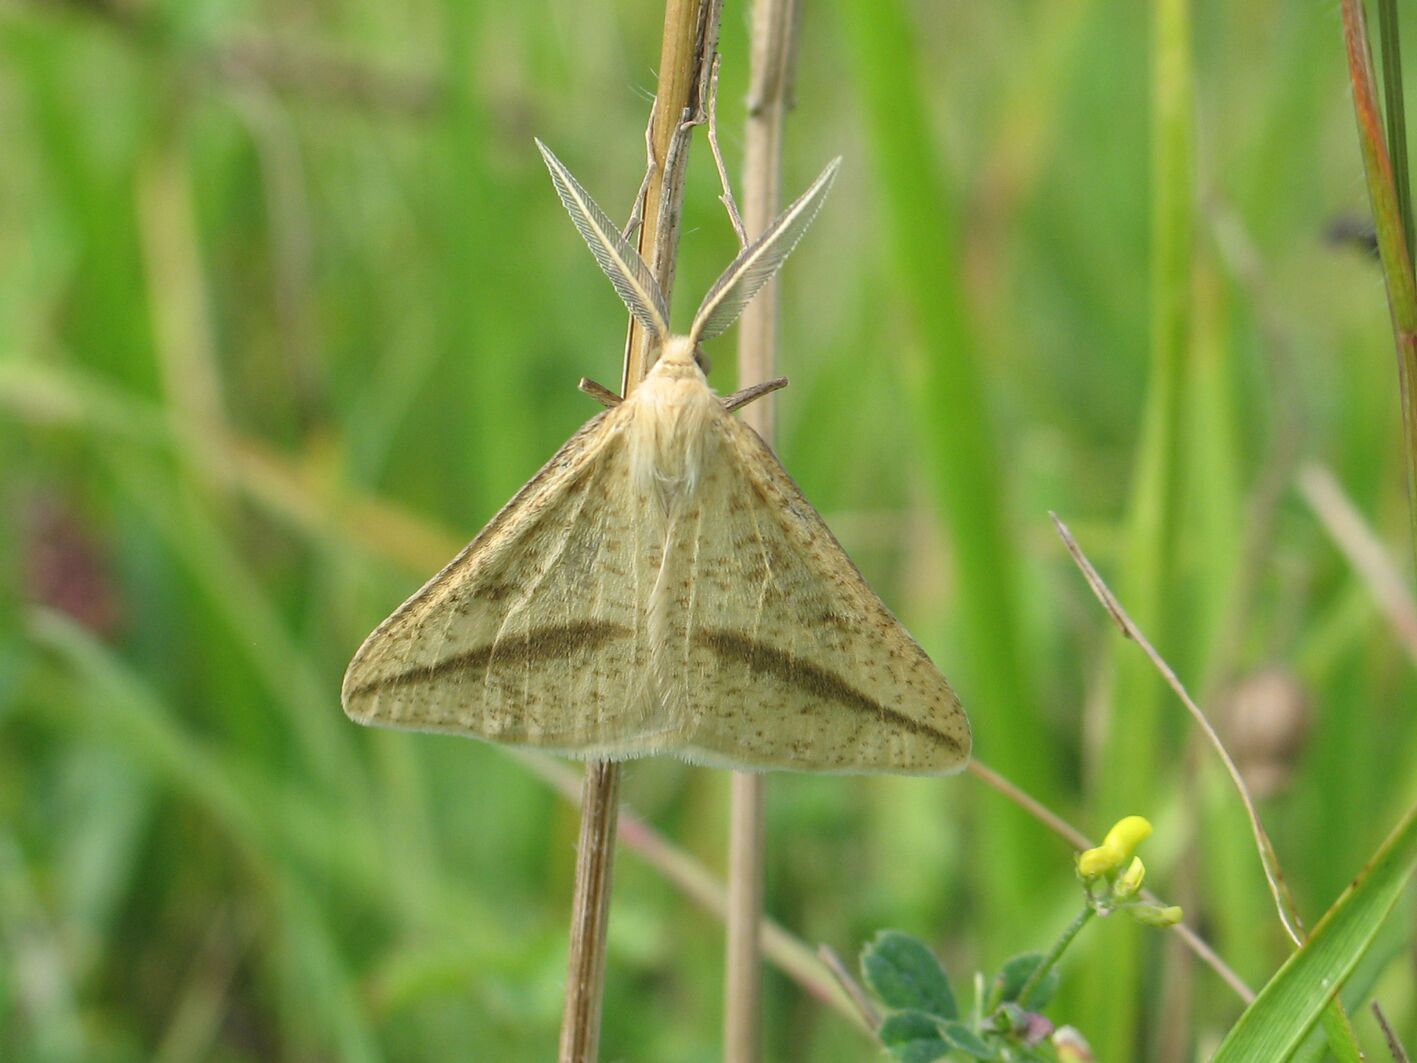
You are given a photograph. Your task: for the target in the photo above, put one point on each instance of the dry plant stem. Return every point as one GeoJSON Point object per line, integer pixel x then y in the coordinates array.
{"type": "Point", "coordinates": [690, 39]}
{"type": "Point", "coordinates": [743, 976]}
{"type": "Point", "coordinates": [1346, 526]}
{"type": "Point", "coordinates": [1284, 903]}
{"type": "Point", "coordinates": [791, 955]}
{"type": "Point", "coordinates": [773, 40]}
{"type": "Point", "coordinates": [1394, 1046]}
{"type": "Point", "coordinates": [729, 203]}
{"type": "Point", "coordinates": [1035, 808]}
{"type": "Point", "coordinates": [858, 996]}
{"type": "Point", "coordinates": [590, 913]}
{"type": "Point", "coordinates": [637, 211]}
{"type": "Point", "coordinates": [685, 60]}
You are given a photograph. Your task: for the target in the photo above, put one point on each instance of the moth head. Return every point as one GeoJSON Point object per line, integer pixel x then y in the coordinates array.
{"type": "Point", "coordinates": [680, 357]}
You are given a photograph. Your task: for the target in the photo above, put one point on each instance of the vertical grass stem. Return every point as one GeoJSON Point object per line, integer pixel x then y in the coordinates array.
{"type": "Point", "coordinates": [689, 41]}
{"type": "Point", "coordinates": [774, 35]}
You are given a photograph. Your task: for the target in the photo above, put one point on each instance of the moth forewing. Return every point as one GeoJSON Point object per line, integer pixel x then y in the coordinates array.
{"type": "Point", "coordinates": [756, 263]}
{"type": "Point", "coordinates": [534, 635]}
{"type": "Point", "coordinates": [781, 655]}
{"type": "Point", "coordinates": [627, 270]}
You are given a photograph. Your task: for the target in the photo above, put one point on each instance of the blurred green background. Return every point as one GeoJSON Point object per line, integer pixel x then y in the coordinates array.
{"type": "Point", "coordinates": [288, 309]}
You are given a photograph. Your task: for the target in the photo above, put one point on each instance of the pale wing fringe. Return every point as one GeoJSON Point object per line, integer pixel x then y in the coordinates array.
{"type": "Point", "coordinates": [757, 263]}
{"type": "Point", "coordinates": [620, 261]}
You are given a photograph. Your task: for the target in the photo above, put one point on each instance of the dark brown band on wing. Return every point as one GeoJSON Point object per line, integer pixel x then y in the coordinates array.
{"type": "Point", "coordinates": [541, 644]}
{"type": "Point", "coordinates": [817, 681]}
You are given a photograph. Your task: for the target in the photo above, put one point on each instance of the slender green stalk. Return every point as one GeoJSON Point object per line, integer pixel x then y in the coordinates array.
{"type": "Point", "coordinates": [1055, 953]}
{"type": "Point", "coordinates": [1393, 246]}
{"type": "Point", "coordinates": [1391, 41]}
{"type": "Point", "coordinates": [1131, 760]}
{"type": "Point", "coordinates": [962, 452]}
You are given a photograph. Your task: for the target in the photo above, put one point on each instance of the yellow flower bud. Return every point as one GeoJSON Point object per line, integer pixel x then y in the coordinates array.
{"type": "Point", "coordinates": [1130, 881]}
{"type": "Point", "coordinates": [1155, 915]}
{"type": "Point", "coordinates": [1126, 834]}
{"type": "Point", "coordinates": [1116, 849]}
{"type": "Point", "coordinates": [1096, 862]}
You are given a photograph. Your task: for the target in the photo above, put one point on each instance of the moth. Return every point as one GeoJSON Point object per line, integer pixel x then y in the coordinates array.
{"type": "Point", "coordinates": [662, 586]}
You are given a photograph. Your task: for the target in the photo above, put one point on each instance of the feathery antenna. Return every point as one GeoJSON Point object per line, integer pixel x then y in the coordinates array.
{"type": "Point", "coordinates": [756, 263]}
{"type": "Point", "coordinates": [620, 261]}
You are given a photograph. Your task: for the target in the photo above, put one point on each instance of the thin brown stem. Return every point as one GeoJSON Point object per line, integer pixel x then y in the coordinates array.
{"type": "Point", "coordinates": [685, 59]}
{"type": "Point", "coordinates": [789, 953]}
{"type": "Point", "coordinates": [637, 215]}
{"type": "Point", "coordinates": [590, 913]}
{"type": "Point", "coordinates": [1394, 1046]}
{"type": "Point", "coordinates": [726, 197]}
{"type": "Point", "coordinates": [686, 53]}
{"type": "Point", "coordinates": [858, 996]}
{"type": "Point", "coordinates": [773, 44]}
{"type": "Point", "coordinates": [1284, 903]}
{"type": "Point", "coordinates": [1035, 808]}
{"type": "Point", "coordinates": [743, 976]}
{"type": "Point", "coordinates": [1396, 256]}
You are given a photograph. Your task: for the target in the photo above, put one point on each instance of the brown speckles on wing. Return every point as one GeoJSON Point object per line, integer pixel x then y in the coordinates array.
{"type": "Point", "coordinates": [785, 658]}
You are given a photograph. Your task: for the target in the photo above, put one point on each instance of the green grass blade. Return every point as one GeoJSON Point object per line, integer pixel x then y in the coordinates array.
{"type": "Point", "coordinates": [1132, 754]}
{"type": "Point", "coordinates": [961, 447]}
{"type": "Point", "coordinates": [1391, 44]}
{"type": "Point", "coordinates": [1273, 1027]}
{"type": "Point", "coordinates": [1393, 247]}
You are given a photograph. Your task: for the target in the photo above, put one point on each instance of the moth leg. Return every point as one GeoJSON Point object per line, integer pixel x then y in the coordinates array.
{"type": "Point", "coordinates": [601, 394]}
{"type": "Point", "coordinates": [739, 399]}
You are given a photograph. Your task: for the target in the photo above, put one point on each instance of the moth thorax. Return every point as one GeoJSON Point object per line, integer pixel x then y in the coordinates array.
{"type": "Point", "coordinates": [671, 435]}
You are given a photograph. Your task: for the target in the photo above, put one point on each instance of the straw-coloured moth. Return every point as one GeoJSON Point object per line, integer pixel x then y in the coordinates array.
{"type": "Point", "coordinates": [662, 586]}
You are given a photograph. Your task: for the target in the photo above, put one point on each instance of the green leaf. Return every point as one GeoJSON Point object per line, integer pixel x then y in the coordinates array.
{"type": "Point", "coordinates": [905, 974]}
{"type": "Point", "coordinates": [1015, 972]}
{"type": "Point", "coordinates": [913, 1037]}
{"type": "Point", "coordinates": [967, 1041]}
{"type": "Point", "coordinates": [1274, 1025]}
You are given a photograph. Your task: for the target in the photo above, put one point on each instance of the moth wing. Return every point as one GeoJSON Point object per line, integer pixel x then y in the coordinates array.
{"type": "Point", "coordinates": [534, 634]}
{"type": "Point", "coordinates": [788, 659]}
